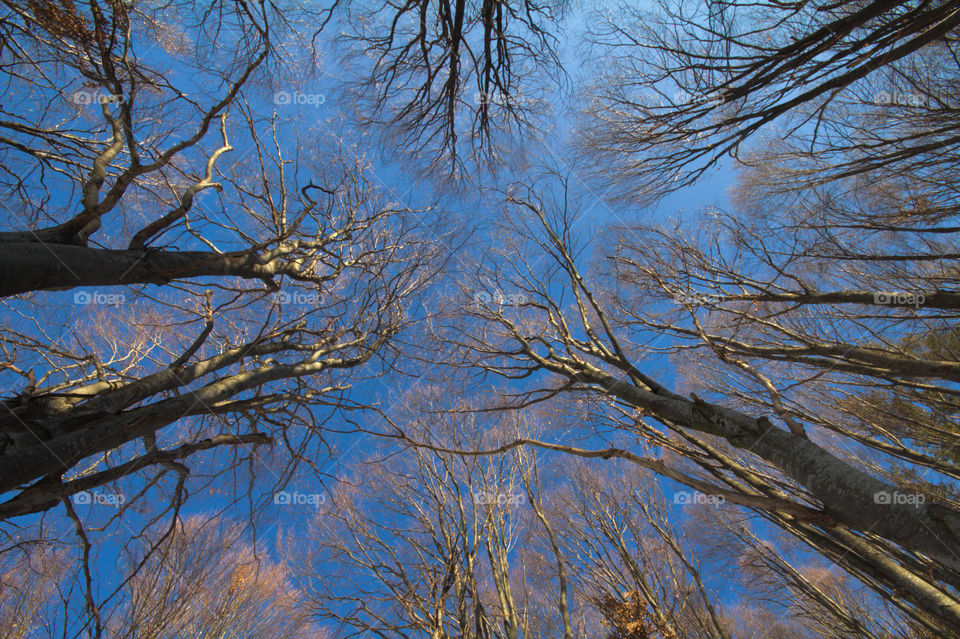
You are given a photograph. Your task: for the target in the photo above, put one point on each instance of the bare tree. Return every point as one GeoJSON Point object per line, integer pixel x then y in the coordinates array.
{"type": "Point", "coordinates": [142, 148]}
{"type": "Point", "coordinates": [448, 77]}
{"type": "Point", "coordinates": [89, 402]}
{"type": "Point", "coordinates": [203, 579]}
{"type": "Point", "coordinates": [426, 544]}
{"type": "Point", "coordinates": [846, 86]}
{"type": "Point", "coordinates": [28, 589]}
{"type": "Point", "coordinates": [196, 283]}
{"type": "Point", "coordinates": [571, 548]}
{"type": "Point", "coordinates": [628, 561]}
{"type": "Point", "coordinates": [234, 363]}
{"type": "Point", "coordinates": [782, 584]}
{"type": "Point", "coordinates": [568, 336]}
{"type": "Point", "coordinates": [206, 580]}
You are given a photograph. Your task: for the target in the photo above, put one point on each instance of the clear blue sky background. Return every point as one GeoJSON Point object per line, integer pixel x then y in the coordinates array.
{"type": "Point", "coordinates": [396, 178]}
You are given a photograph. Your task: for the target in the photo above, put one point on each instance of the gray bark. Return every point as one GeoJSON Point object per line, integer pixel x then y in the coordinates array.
{"type": "Point", "coordinates": [848, 495]}
{"type": "Point", "coordinates": [32, 266]}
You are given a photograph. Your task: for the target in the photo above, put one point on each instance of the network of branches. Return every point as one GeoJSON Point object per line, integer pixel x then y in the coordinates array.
{"type": "Point", "coordinates": [426, 319]}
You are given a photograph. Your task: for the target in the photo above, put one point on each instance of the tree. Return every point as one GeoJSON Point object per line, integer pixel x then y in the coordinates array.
{"type": "Point", "coordinates": [28, 590]}
{"type": "Point", "coordinates": [143, 372]}
{"type": "Point", "coordinates": [202, 579]}
{"type": "Point", "coordinates": [235, 363]}
{"type": "Point", "coordinates": [448, 77]}
{"type": "Point", "coordinates": [206, 580]}
{"type": "Point", "coordinates": [785, 590]}
{"type": "Point", "coordinates": [573, 337]}
{"type": "Point", "coordinates": [849, 88]}
{"type": "Point", "coordinates": [203, 285]}
{"type": "Point", "coordinates": [428, 545]}
{"type": "Point", "coordinates": [135, 149]}
{"type": "Point", "coordinates": [445, 539]}
{"type": "Point", "coordinates": [468, 532]}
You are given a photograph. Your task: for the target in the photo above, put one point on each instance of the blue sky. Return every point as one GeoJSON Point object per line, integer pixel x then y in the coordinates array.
{"type": "Point", "coordinates": [321, 116]}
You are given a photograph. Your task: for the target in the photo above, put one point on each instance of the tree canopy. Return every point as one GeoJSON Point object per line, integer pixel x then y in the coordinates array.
{"type": "Point", "coordinates": [479, 319]}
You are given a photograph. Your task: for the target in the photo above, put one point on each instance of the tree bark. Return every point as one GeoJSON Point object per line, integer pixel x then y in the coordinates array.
{"type": "Point", "coordinates": [848, 494]}
{"type": "Point", "coordinates": [31, 266]}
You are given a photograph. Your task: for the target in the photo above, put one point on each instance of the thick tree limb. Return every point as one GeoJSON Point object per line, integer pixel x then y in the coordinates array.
{"type": "Point", "coordinates": [26, 267]}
